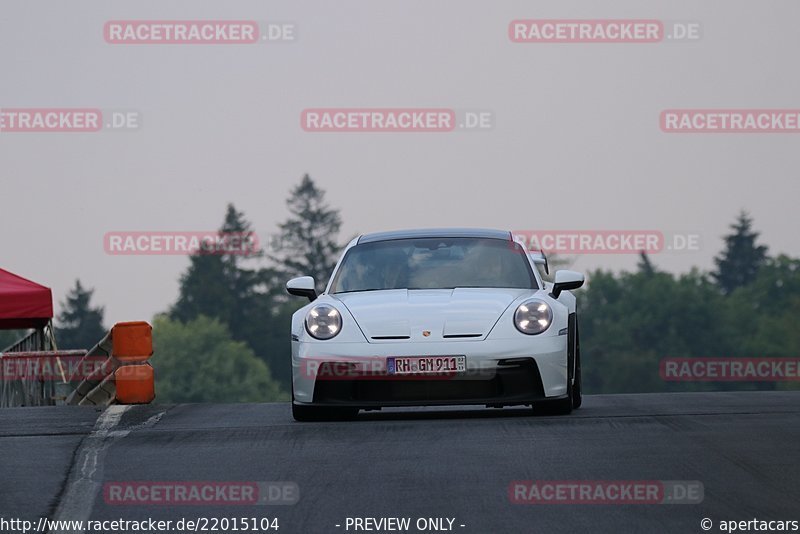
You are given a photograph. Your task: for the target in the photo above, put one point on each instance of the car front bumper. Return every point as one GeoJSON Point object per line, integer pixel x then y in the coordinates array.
{"type": "Point", "coordinates": [498, 373]}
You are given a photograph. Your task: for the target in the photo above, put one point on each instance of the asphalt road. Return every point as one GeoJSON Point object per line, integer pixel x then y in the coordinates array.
{"type": "Point", "coordinates": [458, 464]}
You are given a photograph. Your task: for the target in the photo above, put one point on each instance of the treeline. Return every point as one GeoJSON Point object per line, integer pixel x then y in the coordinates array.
{"type": "Point", "coordinates": [226, 338]}
{"type": "Point", "coordinates": [748, 306]}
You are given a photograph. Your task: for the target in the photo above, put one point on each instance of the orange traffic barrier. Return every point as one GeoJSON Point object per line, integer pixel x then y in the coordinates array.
{"type": "Point", "coordinates": [135, 384]}
{"type": "Point", "coordinates": [123, 376]}
{"type": "Point", "coordinates": [132, 342]}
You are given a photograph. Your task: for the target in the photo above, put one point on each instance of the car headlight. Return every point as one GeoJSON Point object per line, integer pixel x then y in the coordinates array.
{"type": "Point", "coordinates": [323, 321]}
{"type": "Point", "coordinates": [533, 317]}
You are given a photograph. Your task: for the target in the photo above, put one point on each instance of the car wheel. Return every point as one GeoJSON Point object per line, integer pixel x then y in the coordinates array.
{"type": "Point", "coordinates": [565, 405]}
{"type": "Point", "coordinates": [555, 407]}
{"type": "Point", "coordinates": [577, 388]}
{"type": "Point", "coordinates": [322, 413]}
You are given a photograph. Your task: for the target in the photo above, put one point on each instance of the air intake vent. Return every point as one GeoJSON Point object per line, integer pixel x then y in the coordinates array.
{"type": "Point", "coordinates": [391, 337]}
{"type": "Point", "coordinates": [450, 336]}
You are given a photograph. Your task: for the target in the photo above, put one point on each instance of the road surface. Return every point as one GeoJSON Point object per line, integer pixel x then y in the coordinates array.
{"type": "Point", "coordinates": [454, 464]}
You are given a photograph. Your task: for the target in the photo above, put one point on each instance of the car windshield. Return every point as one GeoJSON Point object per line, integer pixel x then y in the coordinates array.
{"type": "Point", "coordinates": [434, 263]}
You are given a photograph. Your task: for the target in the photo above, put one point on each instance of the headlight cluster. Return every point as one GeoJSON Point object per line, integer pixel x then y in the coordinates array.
{"type": "Point", "coordinates": [533, 317]}
{"type": "Point", "coordinates": [323, 321]}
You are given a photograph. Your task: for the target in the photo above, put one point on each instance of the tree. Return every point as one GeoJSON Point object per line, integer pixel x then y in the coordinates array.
{"type": "Point", "coordinates": [219, 284]}
{"type": "Point", "coordinates": [79, 326]}
{"type": "Point", "coordinates": [762, 318]}
{"type": "Point", "coordinates": [631, 321]}
{"type": "Point", "coordinates": [645, 266]}
{"type": "Point", "coordinates": [216, 283]}
{"type": "Point", "coordinates": [199, 362]}
{"type": "Point", "coordinates": [9, 337]}
{"type": "Point", "coordinates": [204, 290]}
{"type": "Point", "coordinates": [739, 263]}
{"type": "Point", "coordinates": [309, 235]}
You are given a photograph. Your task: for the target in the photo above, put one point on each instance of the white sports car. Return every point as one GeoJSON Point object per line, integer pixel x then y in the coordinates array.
{"type": "Point", "coordinates": [435, 317]}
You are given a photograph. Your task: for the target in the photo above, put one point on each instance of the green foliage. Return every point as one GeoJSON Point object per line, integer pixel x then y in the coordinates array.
{"type": "Point", "coordinates": [9, 337]}
{"type": "Point", "coordinates": [763, 317]}
{"type": "Point", "coordinates": [739, 263]}
{"type": "Point", "coordinates": [226, 287]}
{"type": "Point", "coordinates": [309, 236]}
{"type": "Point", "coordinates": [227, 336]}
{"type": "Point", "coordinates": [219, 285]}
{"type": "Point", "coordinates": [629, 322]}
{"type": "Point", "coordinates": [79, 325]}
{"type": "Point", "coordinates": [199, 362]}
{"type": "Point", "coordinates": [248, 298]}
{"type": "Point", "coordinates": [645, 266]}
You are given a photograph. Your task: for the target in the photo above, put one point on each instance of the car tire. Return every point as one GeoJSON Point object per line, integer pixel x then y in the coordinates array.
{"type": "Point", "coordinates": [555, 407]}
{"type": "Point", "coordinates": [322, 413]}
{"type": "Point", "coordinates": [577, 388]}
{"type": "Point", "coordinates": [307, 414]}
{"type": "Point", "coordinates": [573, 398]}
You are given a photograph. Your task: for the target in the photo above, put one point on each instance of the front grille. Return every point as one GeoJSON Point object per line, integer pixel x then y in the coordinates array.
{"type": "Point", "coordinates": [515, 381]}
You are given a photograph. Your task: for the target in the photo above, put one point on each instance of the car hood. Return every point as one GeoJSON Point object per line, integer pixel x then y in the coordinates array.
{"type": "Point", "coordinates": [404, 315]}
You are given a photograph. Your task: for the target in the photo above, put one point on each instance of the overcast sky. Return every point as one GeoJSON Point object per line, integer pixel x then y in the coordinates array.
{"type": "Point", "coordinates": [576, 142]}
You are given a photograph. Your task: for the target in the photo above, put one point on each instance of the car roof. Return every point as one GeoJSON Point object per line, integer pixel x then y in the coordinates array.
{"type": "Point", "coordinates": [484, 233]}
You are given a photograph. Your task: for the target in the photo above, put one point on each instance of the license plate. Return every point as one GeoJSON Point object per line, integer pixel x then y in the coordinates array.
{"type": "Point", "coordinates": [415, 365]}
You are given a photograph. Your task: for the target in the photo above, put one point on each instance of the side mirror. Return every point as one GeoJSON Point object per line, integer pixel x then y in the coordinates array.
{"type": "Point", "coordinates": [564, 281]}
{"type": "Point", "coordinates": [302, 287]}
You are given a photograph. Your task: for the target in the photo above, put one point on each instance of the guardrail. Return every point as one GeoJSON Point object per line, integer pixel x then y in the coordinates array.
{"type": "Point", "coordinates": [125, 376]}
{"type": "Point", "coordinates": [115, 371]}
{"type": "Point", "coordinates": [36, 378]}
{"type": "Point", "coordinates": [39, 339]}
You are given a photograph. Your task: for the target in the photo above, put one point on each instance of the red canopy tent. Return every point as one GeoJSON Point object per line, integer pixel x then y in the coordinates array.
{"type": "Point", "coordinates": [23, 304]}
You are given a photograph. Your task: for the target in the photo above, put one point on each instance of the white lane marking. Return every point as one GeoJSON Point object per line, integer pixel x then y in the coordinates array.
{"type": "Point", "coordinates": [86, 475]}
{"type": "Point", "coordinates": [110, 418]}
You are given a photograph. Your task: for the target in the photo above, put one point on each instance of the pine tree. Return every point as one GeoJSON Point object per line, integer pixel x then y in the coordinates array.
{"type": "Point", "coordinates": [79, 325]}
{"type": "Point", "coordinates": [218, 284]}
{"type": "Point", "coordinates": [309, 236]}
{"type": "Point", "coordinates": [645, 266]}
{"type": "Point", "coordinates": [739, 263]}
{"type": "Point", "coordinates": [203, 290]}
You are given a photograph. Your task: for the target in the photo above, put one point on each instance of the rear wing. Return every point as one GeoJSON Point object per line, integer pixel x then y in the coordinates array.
{"type": "Point", "coordinates": [539, 258]}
